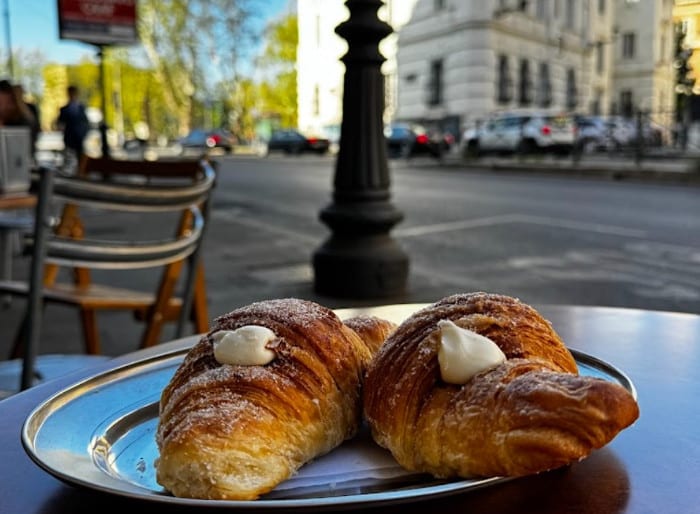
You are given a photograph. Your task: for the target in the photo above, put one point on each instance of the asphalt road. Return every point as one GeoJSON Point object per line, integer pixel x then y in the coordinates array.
{"type": "Point", "coordinates": [545, 238]}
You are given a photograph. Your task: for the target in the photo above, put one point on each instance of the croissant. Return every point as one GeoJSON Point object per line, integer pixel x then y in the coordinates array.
{"type": "Point", "coordinates": [371, 329]}
{"type": "Point", "coordinates": [530, 413]}
{"type": "Point", "coordinates": [233, 431]}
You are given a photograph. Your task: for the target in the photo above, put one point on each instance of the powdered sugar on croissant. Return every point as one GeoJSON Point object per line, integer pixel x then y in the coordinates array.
{"type": "Point", "coordinates": [529, 414]}
{"type": "Point", "coordinates": [234, 431]}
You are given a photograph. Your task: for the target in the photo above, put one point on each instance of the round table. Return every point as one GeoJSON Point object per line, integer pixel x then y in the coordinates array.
{"type": "Point", "coordinates": [651, 466]}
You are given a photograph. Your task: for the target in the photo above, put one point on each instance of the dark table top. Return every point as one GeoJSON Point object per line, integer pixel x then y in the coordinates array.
{"type": "Point", "coordinates": [17, 200]}
{"type": "Point", "coordinates": [652, 466]}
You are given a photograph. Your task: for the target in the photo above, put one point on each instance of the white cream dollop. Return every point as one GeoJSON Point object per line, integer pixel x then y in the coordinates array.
{"type": "Point", "coordinates": [463, 353]}
{"type": "Point", "coordinates": [244, 346]}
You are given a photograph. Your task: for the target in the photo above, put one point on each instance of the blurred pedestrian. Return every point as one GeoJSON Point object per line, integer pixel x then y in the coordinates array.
{"type": "Point", "coordinates": [14, 112]}
{"type": "Point", "coordinates": [73, 120]}
{"type": "Point", "coordinates": [36, 128]}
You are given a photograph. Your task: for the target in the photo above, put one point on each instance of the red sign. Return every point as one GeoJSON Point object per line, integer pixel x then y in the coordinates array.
{"type": "Point", "coordinates": [99, 22]}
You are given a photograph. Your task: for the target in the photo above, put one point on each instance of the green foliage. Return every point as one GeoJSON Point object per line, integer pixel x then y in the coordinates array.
{"type": "Point", "coordinates": [684, 78]}
{"type": "Point", "coordinates": [194, 47]}
{"type": "Point", "coordinates": [26, 68]}
{"type": "Point", "coordinates": [189, 72]}
{"type": "Point", "coordinates": [278, 92]}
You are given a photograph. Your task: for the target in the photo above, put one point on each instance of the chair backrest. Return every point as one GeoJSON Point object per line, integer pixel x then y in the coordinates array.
{"type": "Point", "coordinates": [131, 187]}
{"type": "Point", "coordinates": [179, 189]}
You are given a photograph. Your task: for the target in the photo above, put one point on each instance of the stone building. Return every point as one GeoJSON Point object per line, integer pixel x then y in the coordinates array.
{"type": "Point", "coordinates": [451, 62]}
{"type": "Point", "coordinates": [320, 72]}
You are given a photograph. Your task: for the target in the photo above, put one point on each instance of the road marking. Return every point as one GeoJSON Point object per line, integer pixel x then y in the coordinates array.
{"type": "Point", "coordinates": [452, 226]}
{"type": "Point", "coordinates": [295, 236]}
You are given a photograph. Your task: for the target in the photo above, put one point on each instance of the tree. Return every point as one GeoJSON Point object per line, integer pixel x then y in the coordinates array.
{"type": "Point", "coordinates": [684, 79]}
{"type": "Point", "coordinates": [194, 48]}
{"type": "Point", "coordinates": [278, 90]}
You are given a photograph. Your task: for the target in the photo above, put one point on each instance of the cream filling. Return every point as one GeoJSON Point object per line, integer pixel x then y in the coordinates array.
{"type": "Point", "coordinates": [463, 353]}
{"type": "Point", "coordinates": [245, 346]}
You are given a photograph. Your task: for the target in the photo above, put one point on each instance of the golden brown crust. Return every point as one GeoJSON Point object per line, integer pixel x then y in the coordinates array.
{"type": "Point", "coordinates": [530, 414]}
{"type": "Point", "coordinates": [371, 329]}
{"type": "Point", "coordinates": [235, 432]}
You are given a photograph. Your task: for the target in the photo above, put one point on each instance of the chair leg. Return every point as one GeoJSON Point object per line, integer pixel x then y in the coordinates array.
{"type": "Point", "coordinates": [157, 315]}
{"type": "Point", "coordinates": [91, 336]}
{"type": "Point", "coordinates": [200, 315]}
{"type": "Point", "coordinates": [20, 338]}
{"type": "Point", "coordinates": [154, 325]}
{"type": "Point", "coordinates": [5, 262]}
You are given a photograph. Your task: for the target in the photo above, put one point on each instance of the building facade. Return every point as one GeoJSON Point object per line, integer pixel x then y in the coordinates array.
{"type": "Point", "coordinates": [452, 62]}
{"type": "Point", "coordinates": [320, 72]}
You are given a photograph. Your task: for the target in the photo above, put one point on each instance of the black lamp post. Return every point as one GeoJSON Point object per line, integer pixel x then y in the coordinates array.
{"type": "Point", "coordinates": [360, 259]}
{"type": "Point", "coordinates": [103, 123]}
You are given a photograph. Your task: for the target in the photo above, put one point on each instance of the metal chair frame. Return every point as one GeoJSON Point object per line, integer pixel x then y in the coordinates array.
{"type": "Point", "coordinates": [67, 246]}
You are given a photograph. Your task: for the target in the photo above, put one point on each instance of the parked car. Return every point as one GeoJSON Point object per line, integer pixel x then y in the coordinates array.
{"type": "Point", "coordinates": [408, 140]}
{"type": "Point", "coordinates": [614, 132]}
{"type": "Point", "coordinates": [292, 141]}
{"type": "Point", "coordinates": [523, 133]}
{"type": "Point", "coordinates": [207, 139]}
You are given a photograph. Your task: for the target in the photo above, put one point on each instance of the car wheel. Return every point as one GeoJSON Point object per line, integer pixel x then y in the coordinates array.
{"type": "Point", "coordinates": [527, 146]}
{"type": "Point", "coordinates": [472, 150]}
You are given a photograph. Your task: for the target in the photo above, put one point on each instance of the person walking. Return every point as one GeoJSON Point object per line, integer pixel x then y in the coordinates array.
{"type": "Point", "coordinates": [15, 113]}
{"type": "Point", "coordinates": [33, 109]}
{"type": "Point", "coordinates": [73, 120]}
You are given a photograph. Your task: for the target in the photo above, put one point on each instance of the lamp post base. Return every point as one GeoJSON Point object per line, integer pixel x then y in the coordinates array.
{"type": "Point", "coordinates": [360, 266]}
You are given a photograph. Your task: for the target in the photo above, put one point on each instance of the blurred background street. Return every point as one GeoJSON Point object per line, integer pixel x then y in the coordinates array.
{"type": "Point", "coordinates": [543, 237]}
{"type": "Point", "coordinates": [545, 150]}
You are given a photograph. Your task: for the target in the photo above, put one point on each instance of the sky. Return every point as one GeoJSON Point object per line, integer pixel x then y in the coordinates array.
{"type": "Point", "coordinates": [34, 25]}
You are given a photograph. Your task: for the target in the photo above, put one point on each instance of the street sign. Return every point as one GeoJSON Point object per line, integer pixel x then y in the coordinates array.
{"type": "Point", "coordinates": [98, 22]}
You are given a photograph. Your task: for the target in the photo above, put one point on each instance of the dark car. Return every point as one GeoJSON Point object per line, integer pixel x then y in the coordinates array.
{"type": "Point", "coordinates": [409, 140]}
{"type": "Point", "coordinates": [294, 142]}
{"type": "Point", "coordinates": [207, 139]}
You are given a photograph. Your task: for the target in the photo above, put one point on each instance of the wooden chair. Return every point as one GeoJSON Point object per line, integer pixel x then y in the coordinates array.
{"type": "Point", "coordinates": [176, 190]}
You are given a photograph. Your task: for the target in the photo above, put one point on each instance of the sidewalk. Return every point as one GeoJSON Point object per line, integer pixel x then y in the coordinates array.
{"type": "Point", "coordinates": [655, 167]}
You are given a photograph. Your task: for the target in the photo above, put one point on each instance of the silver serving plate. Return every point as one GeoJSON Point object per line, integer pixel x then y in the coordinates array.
{"type": "Point", "coordinates": [100, 434]}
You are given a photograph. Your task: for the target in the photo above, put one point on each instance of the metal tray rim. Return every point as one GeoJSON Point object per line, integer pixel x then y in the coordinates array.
{"type": "Point", "coordinates": [53, 404]}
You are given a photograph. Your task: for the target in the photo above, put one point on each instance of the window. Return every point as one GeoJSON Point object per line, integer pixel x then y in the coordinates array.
{"type": "Point", "coordinates": [571, 92]}
{"type": "Point", "coordinates": [439, 5]}
{"type": "Point", "coordinates": [596, 102]}
{"type": "Point", "coordinates": [504, 84]}
{"type": "Point", "coordinates": [316, 101]}
{"type": "Point", "coordinates": [599, 57]}
{"type": "Point", "coordinates": [628, 44]}
{"type": "Point", "coordinates": [662, 48]}
{"type": "Point", "coordinates": [541, 9]}
{"type": "Point", "coordinates": [317, 27]}
{"type": "Point", "coordinates": [544, 88]}
{"type": "Point", "coordinates": [601, 7]}
{"type": "Point", "coordinates": [525, 89]}
{"type": "Point", "coordinates": [435, 85]}
{"type": "Point", "coordinates": [626, 104]}
{"type": "Point", "coordinates": [570, 13]}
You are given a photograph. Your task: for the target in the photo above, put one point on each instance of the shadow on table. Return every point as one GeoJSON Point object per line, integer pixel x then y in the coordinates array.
{"type": "Point", "coordinates": [598, 484]}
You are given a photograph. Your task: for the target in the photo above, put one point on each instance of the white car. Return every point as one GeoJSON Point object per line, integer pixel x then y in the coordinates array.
{"type": "Point", "coordinates": [614, 133]}
{"type": "Point", "coordinates": [522, 133]}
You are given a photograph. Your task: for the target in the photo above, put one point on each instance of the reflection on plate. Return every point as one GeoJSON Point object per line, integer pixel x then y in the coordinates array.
{"type": "Point", "coordinates": [100, 434]}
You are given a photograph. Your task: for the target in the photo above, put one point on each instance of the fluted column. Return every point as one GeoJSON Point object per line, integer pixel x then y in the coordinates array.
{"type": "Point", "coordinates": [360, 259]}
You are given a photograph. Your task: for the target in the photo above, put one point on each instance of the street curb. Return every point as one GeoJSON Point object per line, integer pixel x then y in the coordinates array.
{"type": "Point", "coordinates": [646, 171]}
